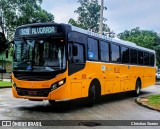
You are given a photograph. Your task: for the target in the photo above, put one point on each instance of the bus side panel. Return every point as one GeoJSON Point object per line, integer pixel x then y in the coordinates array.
{"type": "Point", "coordinates": [81, 80]}
{"type": "Point", "coordinates": [148, 77]}
{"type": "Point", "coordinates": [76, 84]}
{"type": "Point", "coordinates": [113, 78]}
{"type": "Point", "coordinates": [125, 80]}
{"type": "Point", "coordinates": [135, 72]}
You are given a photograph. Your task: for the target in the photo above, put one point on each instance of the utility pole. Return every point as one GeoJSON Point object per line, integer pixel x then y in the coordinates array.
{"type": "Point", "coordinates": [101, 16]}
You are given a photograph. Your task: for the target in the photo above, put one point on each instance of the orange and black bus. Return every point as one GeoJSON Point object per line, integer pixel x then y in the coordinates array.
{"type": "Point", "coordinates": [59, 62]}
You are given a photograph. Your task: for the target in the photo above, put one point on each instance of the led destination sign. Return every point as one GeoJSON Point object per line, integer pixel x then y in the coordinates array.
{"type": "Point", "coordinates": [38, 30]}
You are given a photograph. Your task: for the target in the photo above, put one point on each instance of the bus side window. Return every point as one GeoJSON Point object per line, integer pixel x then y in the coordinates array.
{"type": "Point", "coordinates": [104, 47]}
{"type": "Point", "coordinates": [79, 58]}
{"type": "Point", "coordinates": [152, 59]}
{"type": "Point", "coordinates": [133, 56]}
{"type": "Point", "coordinates": [140, 57]}
{"type": "Point", "coordinates": [115, 55]}
{"type": "Point", "coordinates": [92, 49]}
{"type": "Point", "coordinates": [125, 55]}
{"type": "Point", "coordinates": [146, 58]}
{"type": "Point", "coordinates": [76, 53]}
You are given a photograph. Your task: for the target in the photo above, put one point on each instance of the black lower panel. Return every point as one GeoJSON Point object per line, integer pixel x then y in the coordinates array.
{"type": "Point", "coordinates": [73, 68]}
{"type": "Point", "coordinates": [33, 92]}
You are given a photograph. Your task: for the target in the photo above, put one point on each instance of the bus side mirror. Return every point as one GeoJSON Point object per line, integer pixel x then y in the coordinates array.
{"type": "Point", "coordinates": [7, 53]}
{"type": "Point", "coordinates": [74, 50]}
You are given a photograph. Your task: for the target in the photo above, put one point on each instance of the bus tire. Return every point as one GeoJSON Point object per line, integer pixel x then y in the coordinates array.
{"type": "Point", "coordinates": [91, 96]}
{"type": "Point", "coordinates": [52, 102]}
{"type": "Point", "coordinates": [137, 90]}
{"type": "Point", "coordinates": [94, 93]}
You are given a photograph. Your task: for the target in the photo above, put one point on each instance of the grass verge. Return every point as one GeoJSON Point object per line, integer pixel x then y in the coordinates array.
{"type": "Point", "coordinates": [151, 102]}
{"type": "Point", "coordinates": [154, 101]}
{"type": "Point", "coordinates": [5, 84]}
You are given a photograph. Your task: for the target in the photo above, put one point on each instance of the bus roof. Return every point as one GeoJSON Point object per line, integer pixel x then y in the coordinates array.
{"type": "Point", "coordinates": [38, 24]}
{"type": "Point", "coordinates": [116, 40]}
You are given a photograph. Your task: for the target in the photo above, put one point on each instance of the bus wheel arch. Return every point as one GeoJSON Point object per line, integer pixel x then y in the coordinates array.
{"type": "Point", "coordinates": [94, 91]}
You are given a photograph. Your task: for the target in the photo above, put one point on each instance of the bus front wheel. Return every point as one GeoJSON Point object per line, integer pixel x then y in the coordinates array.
{"type": "Point", "coordinates": [91, 96]}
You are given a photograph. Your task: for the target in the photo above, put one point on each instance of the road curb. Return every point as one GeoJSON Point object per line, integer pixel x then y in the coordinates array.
{"type": "Point", "coordinates": [138, 101]}
{"type": "Point", "coordinates": [1, 87]}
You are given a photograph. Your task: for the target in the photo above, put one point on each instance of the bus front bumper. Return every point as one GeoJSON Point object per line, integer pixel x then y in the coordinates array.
{"type": "Point", "coordinates": [43, 94]}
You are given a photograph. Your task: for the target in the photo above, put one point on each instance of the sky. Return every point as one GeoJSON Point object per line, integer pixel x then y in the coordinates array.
{"type": "Point", "coordinates": [121, 14]}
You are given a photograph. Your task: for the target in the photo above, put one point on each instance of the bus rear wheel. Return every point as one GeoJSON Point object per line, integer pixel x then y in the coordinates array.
{"type": "Point", "coordinates": [137, 90]}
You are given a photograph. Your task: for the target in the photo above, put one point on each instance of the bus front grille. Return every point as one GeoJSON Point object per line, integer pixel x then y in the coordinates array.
{"type": "Point", "coordinates": [33, 92]}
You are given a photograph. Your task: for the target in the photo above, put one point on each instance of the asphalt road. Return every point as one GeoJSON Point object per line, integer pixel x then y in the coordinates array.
{"type": "Point", "coordinates": [112, 107]}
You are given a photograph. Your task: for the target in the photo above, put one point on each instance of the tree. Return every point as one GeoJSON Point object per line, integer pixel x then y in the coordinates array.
{"type": "Point", "coordinates": [19, 12]}
{"type": "Point", "coordinates": [2, 41]}
{"type": "Point", "coordinates": [89, 16]}
{"type": "Point", "coordinates": [144, 38]}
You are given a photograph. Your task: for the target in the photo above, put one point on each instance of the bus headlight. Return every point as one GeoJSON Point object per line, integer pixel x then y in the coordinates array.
{"type": "Point", "coordinates": [58, 84]}
{"type": "Point", "coordinates": [61, 82]}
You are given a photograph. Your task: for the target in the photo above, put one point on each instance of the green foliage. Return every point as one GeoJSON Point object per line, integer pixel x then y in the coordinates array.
{"type": "Point", "coordinates": [154, 101]}
{"type": "Point", "coordinates": [19, 12]}
{"type": "Point", "coordinates": [5, 84]}
{"type": "Point", "coordinates": [89, 16]}
{"type": "Point", "coordinates": [75, 23]}
{"type": "Point", "coordinates": [11, 51]}
{"type": "Point", "coordinates": [144, 38]}
{"type": "Point", "coordinates": [3, 56]}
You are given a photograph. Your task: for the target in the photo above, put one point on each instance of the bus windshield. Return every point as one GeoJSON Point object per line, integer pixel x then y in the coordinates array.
{"type": "Point", "coordinates": [39, 55]}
